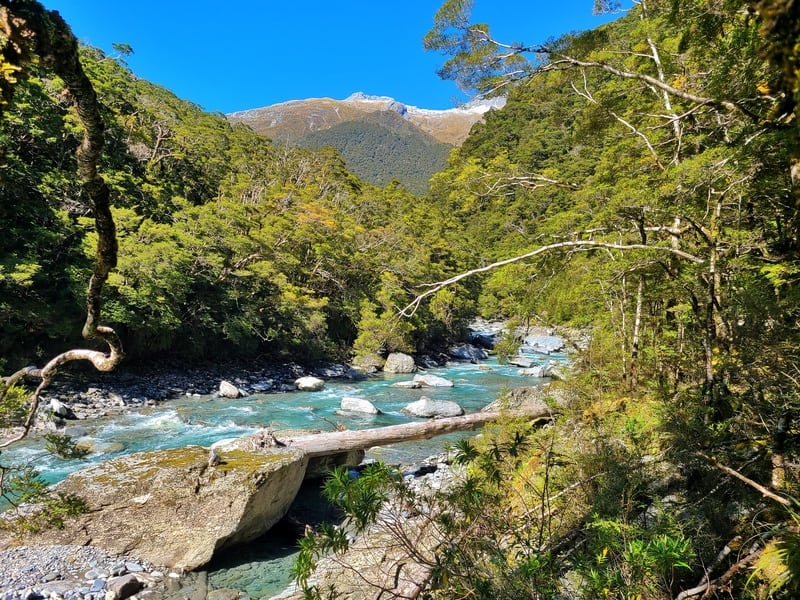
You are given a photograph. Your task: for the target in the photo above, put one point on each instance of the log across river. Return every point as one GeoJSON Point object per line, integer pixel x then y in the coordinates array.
{"type": "Point", "coordinates": [323, 444]}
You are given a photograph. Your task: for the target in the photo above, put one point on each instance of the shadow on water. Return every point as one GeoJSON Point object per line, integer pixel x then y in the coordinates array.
{"type": "Point", "coordinates": [263, 567]}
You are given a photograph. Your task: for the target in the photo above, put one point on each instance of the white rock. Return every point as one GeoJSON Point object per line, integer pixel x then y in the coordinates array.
{"type": "Point", "coordinates": [409, 385]}
{"type": "Point", "coordinates": [59, 408]}
{"type": "Point", "coordinates": [361, 405]}
{"type": "Point", "coordinates": [309, 384]}
{"type": "Point", "coordinates": [429, 380]}
{"type": "Point", "coordinates": [397, 362]}
{"type": "Point", "coordinates": [228, 390]}
{"type": "Point", "coordinates": [425, 407]}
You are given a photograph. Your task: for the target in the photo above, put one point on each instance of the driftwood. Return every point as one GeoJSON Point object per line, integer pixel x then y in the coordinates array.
{"type": "Point", "coordinates": [323, 444]}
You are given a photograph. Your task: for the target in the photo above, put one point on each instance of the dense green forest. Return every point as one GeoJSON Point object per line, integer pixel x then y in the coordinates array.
{"type": "Point", "coordinates": [641, 183]}
{"type": "Point", "coordinates": [227, 243]}
{"type": "Point", "coordinates": [383, 147]}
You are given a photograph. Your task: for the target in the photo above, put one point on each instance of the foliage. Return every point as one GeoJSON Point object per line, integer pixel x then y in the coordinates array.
{"type": "Point", "coordinates": [64, 446]}
{"type": "Point", "coordinates": [43, 508]}
{"type": "Point", "coordinates": [383, 147]}
{"type": "Point", "coordinates": [225, 240]}
{"type": "Point", "coordinates": [13, 408]}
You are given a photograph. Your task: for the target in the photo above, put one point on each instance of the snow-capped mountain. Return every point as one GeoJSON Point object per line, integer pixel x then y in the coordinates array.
{"type": "Point", "coordinates": [291, 121]}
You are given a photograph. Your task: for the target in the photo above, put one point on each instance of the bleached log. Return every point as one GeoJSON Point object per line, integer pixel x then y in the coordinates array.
{"type": "Point", "coordinates": [322, 444]}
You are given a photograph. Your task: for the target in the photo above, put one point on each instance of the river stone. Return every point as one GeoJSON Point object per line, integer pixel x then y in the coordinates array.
{"type": "Point", "coordinates": [228, 390]}
{"type": "Point", "coordinates": [409, 385]}
{"type": "Point", "coordinates": [60, 409]}
{"type": "Point", "coordinates": [360, 405]}
{"type": "Point", "coordinates": [552, 370]}
{"type": "Point", "coordinates": [428, 380]}
{"type": "Point", "coordinates": [170, 508]}
{"type": "Point", "coordinates": [309, 384]}
{"type": "Point", "coordinates": [521, 361]}
{"type": "Point", "coordinates": [123, 586]}
{"type": "Point", "coordinates": [397, 362]}
{"type": "Point", "coordinates": [425, 407]}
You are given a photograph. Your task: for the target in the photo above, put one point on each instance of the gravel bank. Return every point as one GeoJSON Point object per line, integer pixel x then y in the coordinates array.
{"type": "Point", "coordinates": [87, 573]}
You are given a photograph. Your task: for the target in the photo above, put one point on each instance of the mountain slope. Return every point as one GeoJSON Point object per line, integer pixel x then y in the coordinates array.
{"type": "Point", "coordinates": [381, 147]}
{"type": "Point", "coordinates": [380, 139]}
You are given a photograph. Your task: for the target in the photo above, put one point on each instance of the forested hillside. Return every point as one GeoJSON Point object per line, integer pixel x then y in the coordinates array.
{"type": "Point", "coordinates": [227, 243]}
{"type": "Point", "coordinates": [383, 147]}
{"type": "Point", "coordinates": [641, 182]}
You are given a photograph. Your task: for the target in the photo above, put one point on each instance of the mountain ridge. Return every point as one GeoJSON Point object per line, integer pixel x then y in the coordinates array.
{"type": "Point", "coordinates": [379, 138]}
{"type": "Point", "coordinates": [291, 120]}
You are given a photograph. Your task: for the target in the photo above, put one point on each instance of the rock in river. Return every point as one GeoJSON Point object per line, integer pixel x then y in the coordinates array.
{"type": "Point", "coordinates": [425, 407]}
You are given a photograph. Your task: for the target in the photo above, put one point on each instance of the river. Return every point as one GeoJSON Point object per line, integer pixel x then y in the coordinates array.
{"type": "Point", "coordinates": [261, 569]}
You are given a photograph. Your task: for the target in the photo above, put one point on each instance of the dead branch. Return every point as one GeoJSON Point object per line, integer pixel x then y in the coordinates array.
{"type": "Point", "coordinates": [746, 480]}
{"type": "Point", "coordinates": [411, 308]}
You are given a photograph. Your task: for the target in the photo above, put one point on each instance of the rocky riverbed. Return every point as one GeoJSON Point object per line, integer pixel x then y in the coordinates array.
{"type": "Point", "coordinates": [89, 394]}
{"type": "Point", "coordinates": [84, 572]}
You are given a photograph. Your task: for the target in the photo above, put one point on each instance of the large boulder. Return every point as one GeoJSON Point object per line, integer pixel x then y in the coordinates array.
{"type": "Point", "coordinates": [543, 344]}
{"type": "Point", "coordinates": [467, 352]}
{"type": "Point", "coordinates": [397, 362]}
{"type": "Point", "coordinates": [483, 339]}
{"type": "Point", "coordinates": [426, 408]}
{"type": "Point", "coordinates": [521, 361]}
{"type": "Point", "coordinates": [171, 508]}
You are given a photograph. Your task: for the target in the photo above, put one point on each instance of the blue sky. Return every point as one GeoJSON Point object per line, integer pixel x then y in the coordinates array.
{"type": "Point", "coordinates": [233, 55]}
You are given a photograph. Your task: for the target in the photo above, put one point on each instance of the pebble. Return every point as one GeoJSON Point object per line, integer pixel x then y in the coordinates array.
{"type": "Point", "coordinates": [69, 573]}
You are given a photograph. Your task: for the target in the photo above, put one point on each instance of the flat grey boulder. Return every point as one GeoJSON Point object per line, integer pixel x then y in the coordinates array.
{"type": "Point", "coordinates": [171, 508]}
{"type": "Point", "coordinates": [397, 362]}
{"type": "Point", "coordinates": [426, 408]}
{"type": "Point", "coordinates": [360, 405]}
{"type": "Point", "coordinates": [544, 344]}
{"type": "Point", "coordinates": [309, 384]}
{"type": "Point", "coordinates": [521, 361]}
{"type": "Point", "coordinates": [428, 380]}
{"type": "Point", "coordinates": [409, 385]}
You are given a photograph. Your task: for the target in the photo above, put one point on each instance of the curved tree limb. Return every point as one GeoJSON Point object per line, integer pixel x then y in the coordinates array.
{"type": "Point", "coordinates": [412, 307]}
{"type": "Point", "coordinates": [46, 35]}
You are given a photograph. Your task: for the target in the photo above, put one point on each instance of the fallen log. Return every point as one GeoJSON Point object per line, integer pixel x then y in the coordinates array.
{"type": "Point", "coordinates": [323, 444]}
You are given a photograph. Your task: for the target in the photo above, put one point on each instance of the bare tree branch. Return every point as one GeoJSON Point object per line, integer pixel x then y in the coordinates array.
{"type": "Point", "coordinates": [753, 484]}
{"type": "Point", "coordinates": [412, 307]}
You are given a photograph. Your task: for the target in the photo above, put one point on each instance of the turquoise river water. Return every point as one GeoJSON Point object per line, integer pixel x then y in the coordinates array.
{"type": "Point", "coordinates": [261, 569]}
